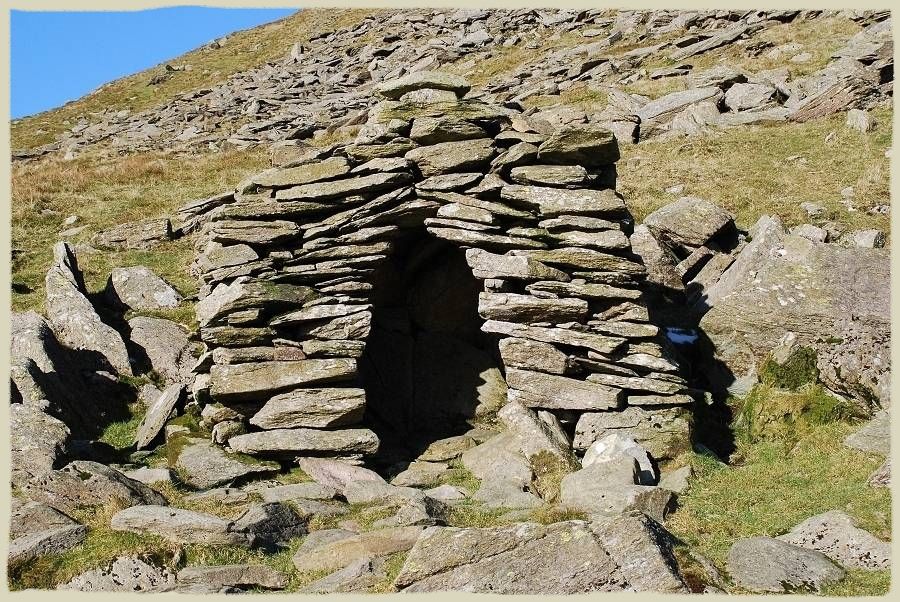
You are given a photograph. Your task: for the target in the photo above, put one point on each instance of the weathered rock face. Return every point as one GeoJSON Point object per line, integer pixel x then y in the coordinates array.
{"type": "Point", "coordinates": [139, 288]}
{"type": "Point", "coordinates": [763, 564]}
{"type": "Point", "coordinates": [835, 300]}
{"type": "Point", "coordinates": [83, 483]}
{"type": "Point", "coordinates": [74, 319]}
{"type": "Point", "coordinates": [349, 260]}
{"type": "Point", "coordinates": [835, 535]}
{"type": "Point", "coordinates": [627, 553]}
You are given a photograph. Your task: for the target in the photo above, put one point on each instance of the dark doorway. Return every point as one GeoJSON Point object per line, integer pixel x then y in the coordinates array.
{"type": "Point", "coordinates": [428, 370]}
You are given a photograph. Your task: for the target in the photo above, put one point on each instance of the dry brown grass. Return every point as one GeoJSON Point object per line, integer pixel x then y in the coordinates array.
{"type": "Point", "coordinates": [243, 50]}
{"type": "Point", "coordinates": [105, 191]}
{"type": "Point", "coordinates": [757, 170]}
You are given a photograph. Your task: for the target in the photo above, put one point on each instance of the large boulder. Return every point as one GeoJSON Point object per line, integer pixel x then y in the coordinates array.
{"type": "Point", "coordinates": [38, 442]}
{"type": "Point", "coordinates": [157, 414]}
{"type": "Point", "coordinates": [337, 551]}
{"type": "Point", "coordinates": [83, 483]}
{"type": "Point", "coordinates": [74, 319]}
{"type": "Point", "coordinates": [336, 474]}
{"type": "Point", "coordinates": [166, 346]}
{"type": "Point", "coordinates": [139, 288]}
{"type": "Point", "coordinates": [124, 574]}
{"type": "Point", "coordinates": [835, 300]}
{"type": "Point", "coordinates": [424, 80]}
{"type": "Point", "coordinates": [573, 557]}
{"type": "Point", "coordinates": [504, 471]}
{"type": "Point", "coordinates": [688, 223]}
{"type": "Point", "coordinates": [763, 564]}
{"type": "Point", "coordinates": [835, 535]}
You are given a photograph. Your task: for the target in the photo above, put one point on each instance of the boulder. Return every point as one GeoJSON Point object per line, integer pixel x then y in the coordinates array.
{"type": "Point", "coordinates": [614, 447]}
{"type": "Point", "coordinates": [309, 490]}
{"type": "Point", "coordinates": [139, 288]}
{"type": "Point", "coordinates": [434, 130]}
{"type": "Point", "coordinates": [336, 474]}
{"type": "Point", "coordinates": [588, 146]}
{"type": "Point", "coordinates": [541, 439]}
{"type": "Point", "coordinates": [874, 436]}
{"type": "Point", "coordinates": [529, 558]}
{"type": "Point", "coordinates": [688, 223]}
{"type": "Point", "coordinates": [74, 319]}
{"type": "Point", "coordinates": [834, 534]}
{"type": "Point", "coordinates": [527, 308]}
{"type": "Point", "coordinates": [663, 432]}
{"type": "Point", "coordinates": [357, 577]}
{"type": "Point", "coordinates": [31, 517]}
{"type": "Point", "coordinates": [763, 564]}
{"type": "Point", "coordinates": [239, 382]}
{"type": "Point", "coordinates": [781, 283]}
{"type": "Point", "coordinates": [446, 157]}
{"type": "Point", "coordinates": [271, 524]}
{"type": "Point", "coordinates": [553, 392]}
{"type": "Point", "coordinates": [743, 97]}
{"type": "Point", "coordinates": [202, 464]}
{"type": "Point", "coordinates": [610, 489]}
{"type": "Point", "coordinates": [180, 526]}
{"type": "Point", "coordinates": [234, 575]}
{"type": "Point", "coordinates": [142, 234]}
{"type": "Point", "coordinates": [304, 440]}
{"type": "Point", "coordinates": [125, 574]}
{"type": "Point", "coordinates": [166, 345]}
{"type": "Point", "coordinates": [504, 472]}
{"type": "Point", "coordinates": [558, 176]}
{"type": "Point", "coordinates": [532, 355]}
{"type": "Point", "coordinates": [54, 540]}
{"type": "Point", "coordinates": [339, 553]}
{"type": "Point", "coordinates": [244, 294]}
{"type": "Point", "coordinates": [38, 442]}
{"type": "Point", "coordinates": [422, 80]}
{"type": "Point", "coordinates": [319, 408]}
{"type": "Point", "coordinates": [487, 265]}
{"type": "Point", "coordinates": [554, 202]}
{"type": "Point", "coordinates": [307, 173]}
{"type": "Point", "coordinates": [421, 474]}
{"type": "Point", "coordinates": [84, 483]}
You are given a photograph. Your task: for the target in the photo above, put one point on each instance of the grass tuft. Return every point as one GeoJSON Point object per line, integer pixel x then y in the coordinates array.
{"type": "Point", "coordinates": [777, 486]}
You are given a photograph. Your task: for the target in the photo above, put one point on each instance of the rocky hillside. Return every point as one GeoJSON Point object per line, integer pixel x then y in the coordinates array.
{"type": "Point", "coordinates": [430, 290]}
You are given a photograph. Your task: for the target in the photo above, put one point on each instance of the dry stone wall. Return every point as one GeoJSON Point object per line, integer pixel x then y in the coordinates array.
{"type": "Point", "coordinates": [287, 264]}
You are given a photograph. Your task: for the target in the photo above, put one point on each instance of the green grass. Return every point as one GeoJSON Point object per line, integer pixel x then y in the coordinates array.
{"type": "Point", "coordinates": [778, 485]}
{"type": "Point", "coordinates": [460, 476]}
{"type": "Point", "coordinates": [797, 370]}
{"type": "Point", "coordinates": [121, 434]}
{"type": "Point", "coordinates": [769, 413]}
{"type": "Point", "coordinates": [860, 583]}
{"type": "Point", "coordinates": [758, 170]}
{"type": "Point", "coordinates": [474, 514]}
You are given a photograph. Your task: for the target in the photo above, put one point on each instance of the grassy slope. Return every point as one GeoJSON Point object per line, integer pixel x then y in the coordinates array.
{"type": "Point", "coordinates": [776, 486]}
{"type": "Point", "coordinates": [242, 51]}
{"type": "Point", "coordinates": [106, 191]}
{"type": "Point", "coordinates": [755, 170]}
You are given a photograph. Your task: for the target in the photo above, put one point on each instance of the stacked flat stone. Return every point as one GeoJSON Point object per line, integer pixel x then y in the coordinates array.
{"type": "Point", "coordinates": [288, 259]}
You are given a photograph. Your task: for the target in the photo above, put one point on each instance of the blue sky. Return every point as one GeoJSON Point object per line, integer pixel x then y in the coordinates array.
{"type": "Point", "coordinates": [61, 56]}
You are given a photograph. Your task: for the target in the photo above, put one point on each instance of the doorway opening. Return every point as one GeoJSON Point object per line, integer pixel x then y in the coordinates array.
{"type": "Point", "coordinates": [428, 369]}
